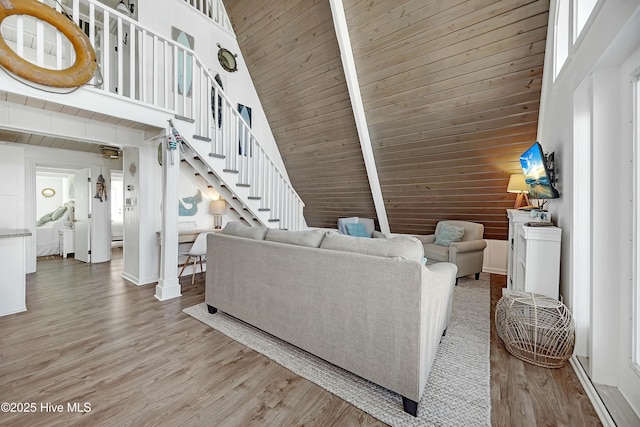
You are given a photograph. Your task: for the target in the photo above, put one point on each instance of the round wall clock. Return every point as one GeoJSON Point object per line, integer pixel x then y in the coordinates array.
{"type": "Point", "coordinates": [227, 59]}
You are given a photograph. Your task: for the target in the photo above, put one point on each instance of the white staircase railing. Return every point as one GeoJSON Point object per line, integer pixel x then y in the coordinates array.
{"type": "Point", "coordinates": [137, 65]}
{"type": "Point", "coordinates": [214, 10]}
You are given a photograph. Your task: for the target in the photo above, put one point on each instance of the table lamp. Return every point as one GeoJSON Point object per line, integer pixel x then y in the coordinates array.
{"type": "Point", "coordinates": [518, 185]}
{"type": "Point", "coordinates": [217, 208]}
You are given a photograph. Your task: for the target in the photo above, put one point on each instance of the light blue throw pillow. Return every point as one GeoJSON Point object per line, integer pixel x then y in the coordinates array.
{"type": "Point", "coordinates": [357, 230]}
{"type": "Point", "coordinates": [449, 233]}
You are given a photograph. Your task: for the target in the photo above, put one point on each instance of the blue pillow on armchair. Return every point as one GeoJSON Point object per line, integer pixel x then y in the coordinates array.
{"type": "Point", "coordinates": [357, 229]}
{"type": "Point", "coordinates": [449, 233]}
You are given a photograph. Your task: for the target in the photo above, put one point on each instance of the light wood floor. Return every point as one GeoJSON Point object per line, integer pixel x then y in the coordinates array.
{"type": "Point", "coordinates": [90, 336]}
{"type": "Point", "coordinates": [523, 394]}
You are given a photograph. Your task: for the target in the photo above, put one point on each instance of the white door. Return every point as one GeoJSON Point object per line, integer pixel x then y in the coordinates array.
{"type": "Point", "coordinates": [82, 225]}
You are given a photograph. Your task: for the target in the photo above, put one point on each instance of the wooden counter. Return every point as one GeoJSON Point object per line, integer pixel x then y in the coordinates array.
{"type": "Point", "coordinates": [189, 236]}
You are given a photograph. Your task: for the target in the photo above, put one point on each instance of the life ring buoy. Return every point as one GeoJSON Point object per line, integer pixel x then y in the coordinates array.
{"type": "Point", "coordinates": [76, 75]}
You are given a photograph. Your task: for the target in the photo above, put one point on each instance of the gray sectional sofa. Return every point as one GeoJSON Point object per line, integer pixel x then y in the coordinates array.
{"type": "Point", "coordinates": [366, 305]}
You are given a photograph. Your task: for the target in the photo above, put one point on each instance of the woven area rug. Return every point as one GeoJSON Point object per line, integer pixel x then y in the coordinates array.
{"type": "Point", "coordinates": [457, 391]}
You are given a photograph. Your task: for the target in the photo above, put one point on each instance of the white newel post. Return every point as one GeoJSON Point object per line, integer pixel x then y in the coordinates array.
{"type": "Point", "coordinates": [168, 285]}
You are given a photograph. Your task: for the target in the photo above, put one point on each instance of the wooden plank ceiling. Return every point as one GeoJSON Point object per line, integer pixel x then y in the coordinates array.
{"type": "Point", "coordinates": [293, 56]}
{"type": "Point", "coordinates": [451, 91]}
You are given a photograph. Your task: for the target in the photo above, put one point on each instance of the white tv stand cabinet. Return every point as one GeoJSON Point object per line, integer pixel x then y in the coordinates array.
{"type": "Point", "coordinates": [533, 263]}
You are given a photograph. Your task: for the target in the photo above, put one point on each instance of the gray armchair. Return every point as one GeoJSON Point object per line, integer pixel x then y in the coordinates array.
{"type": "Point", "coordinates": [467, 254]}
{"type": "Point", "coordinates": [369, 224]}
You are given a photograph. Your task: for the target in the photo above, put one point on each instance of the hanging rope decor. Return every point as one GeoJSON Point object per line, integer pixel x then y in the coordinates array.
{"type": "Point", "coordinates": [101, 189]}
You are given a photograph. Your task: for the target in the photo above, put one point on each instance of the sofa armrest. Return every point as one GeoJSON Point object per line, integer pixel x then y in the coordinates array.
{"type": "Point", "coordinates": [438, 282]}
{"type": "Point", "coordinates": [469, 246]}
{"type": "Point", "coordinates": [426, 238]}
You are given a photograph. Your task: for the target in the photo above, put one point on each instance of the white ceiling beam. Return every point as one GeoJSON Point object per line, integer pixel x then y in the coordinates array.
{"type": "Point", "coordinates": [351, 75]}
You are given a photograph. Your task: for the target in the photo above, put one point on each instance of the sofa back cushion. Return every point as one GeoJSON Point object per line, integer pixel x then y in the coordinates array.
{"type": "Point", "coordinates": [234, 228]}
{"type": "Point", "coordinates": [404, 247]}
{"type": "Point", "coordinates": [310, 238]}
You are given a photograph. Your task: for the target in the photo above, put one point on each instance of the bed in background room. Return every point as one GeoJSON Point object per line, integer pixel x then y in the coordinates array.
{"type": "Point", "coordinates": [48, 230]}
{"type": "Point", "coordinates": [116, 233]}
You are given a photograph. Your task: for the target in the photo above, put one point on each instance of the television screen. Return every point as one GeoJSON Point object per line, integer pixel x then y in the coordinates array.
{"type": "Point", "coordinates": [536, 173]}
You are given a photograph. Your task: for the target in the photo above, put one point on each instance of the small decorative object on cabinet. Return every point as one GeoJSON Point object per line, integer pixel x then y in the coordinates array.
{"type": "Point", "coordinates": [533, 253]}
{"type": "Point", "coordinates": [66, 242]}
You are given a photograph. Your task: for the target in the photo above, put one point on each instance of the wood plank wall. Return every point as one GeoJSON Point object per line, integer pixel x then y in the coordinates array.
{"type": "Point", "coordinates": [292, 53]}
{"type": "Point", "coordinates": [451, 91]}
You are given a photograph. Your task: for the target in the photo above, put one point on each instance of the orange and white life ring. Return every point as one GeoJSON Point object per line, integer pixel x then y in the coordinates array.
{"type": "Point", "coordinates": [76, 75]}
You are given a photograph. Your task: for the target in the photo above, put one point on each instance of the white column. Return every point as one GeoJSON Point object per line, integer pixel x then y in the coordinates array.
{"type": "Point", "coordinates": [142, 214]}
{"type": "Point", "coordinates": [168, 285]}
{"type": "Point", "coordinates": [351, 75]}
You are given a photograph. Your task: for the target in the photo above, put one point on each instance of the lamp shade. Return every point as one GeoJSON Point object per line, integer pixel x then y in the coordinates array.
{"type": "Point", "coordinates": [217, 207]}
{"type": "Point", "coordinates": [517, 184]}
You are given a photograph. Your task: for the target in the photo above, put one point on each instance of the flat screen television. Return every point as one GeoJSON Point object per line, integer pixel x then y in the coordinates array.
{"type": "Point", "coordinates": [537, 174]}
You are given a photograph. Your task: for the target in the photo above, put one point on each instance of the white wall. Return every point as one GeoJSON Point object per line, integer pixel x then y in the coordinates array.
{"type": "Point", "coordinates": [555, 130]}
{"type": "Point", "coordinates": [495, 257]}
{"type": "Point", "coordinates": [202, 218]}
{"type": "Point", "coordinates": [12, 188]}
{"type": "Point", "coordinates": [131, 226]}
{"type": "Point", "coordinates": [142, 214]}
{"type": "Point", "coordinates": [161, 15]}
{"type": "Point", "coordinates": [594, 78]}
{"type": "Point", "coordinates": [44, 204]}
{"type": "Point", "coordinates": [12, 283]}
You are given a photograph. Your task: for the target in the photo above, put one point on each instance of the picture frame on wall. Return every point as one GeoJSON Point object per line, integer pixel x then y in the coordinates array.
{"type": "Point", "coordinates": [244, 147]}
{"type": "Point", "coordinates": [185, 70]}
{"type": "Point", "coordinates": [216, 101]}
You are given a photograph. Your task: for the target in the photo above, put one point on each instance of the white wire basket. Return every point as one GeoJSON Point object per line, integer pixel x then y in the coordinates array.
{"type": "Point", "coordinates": [535, 328]}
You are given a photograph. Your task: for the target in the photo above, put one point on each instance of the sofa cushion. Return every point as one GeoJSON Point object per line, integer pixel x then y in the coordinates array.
{"type": "Point", "coordinates": [310, 238]}
{"type": "Point", "coordinates": [357, 230]}
{"type": "Point", "coordinates": [449, 233]}
{"type": "Point", "coordinates": [435, 252]}
{"type": "Point", "coordinates": [234, 228]}
{"type": "Point", "coordinates": [403, 246]}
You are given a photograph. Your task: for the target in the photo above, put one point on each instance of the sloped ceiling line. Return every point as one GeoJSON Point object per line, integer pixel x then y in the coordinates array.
{"type": "Point", "coordinates": [451, 92]}
{"type": "Point", "coordinates": [351, 75]}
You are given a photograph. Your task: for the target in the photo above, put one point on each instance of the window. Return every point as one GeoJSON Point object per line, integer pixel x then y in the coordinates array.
{"type": "Point", "coordinates": [582, 10]}
{"type": "Point", "coordinates": [636, 216]}
{"type": "Point", "coordinates": [561, 36]}
{"type": "Point", "coordinates": [571, 18]}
